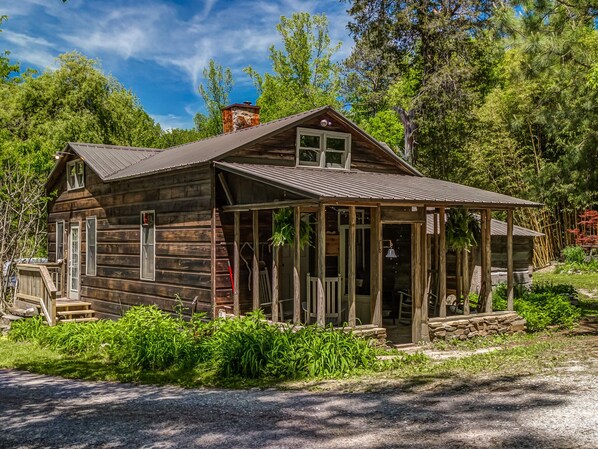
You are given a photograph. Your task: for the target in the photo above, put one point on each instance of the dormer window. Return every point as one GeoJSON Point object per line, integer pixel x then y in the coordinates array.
{"type": "Point", "coordinates": [75, 175]}
{"type": "Point", "coordinates": [323, 149]}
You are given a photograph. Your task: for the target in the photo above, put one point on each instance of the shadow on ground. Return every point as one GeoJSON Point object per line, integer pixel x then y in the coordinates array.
{"type": "Point", "coordinates": [41, 411]}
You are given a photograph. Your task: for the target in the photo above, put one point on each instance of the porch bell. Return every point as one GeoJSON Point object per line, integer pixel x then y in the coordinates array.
{"type": "Point", "coordinates": [391, 254]}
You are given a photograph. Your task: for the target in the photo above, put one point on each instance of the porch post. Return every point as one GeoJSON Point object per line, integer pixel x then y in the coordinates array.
{"type": "Point", "coordinates": [275, 276]}
{"type": "Point", "coordinates": [351, 255]}
{"type": "Point", "coordinates": [425, 281]}
{"type": "Point", "coordinates": [489, 261]}
{"type": "Point", "coordinates": [236, 262]}
{"type": "Point", "coordinates": [376, 266]}
{"type": "Point", "coordinates": [416, 283]}
{"type": "Point", "coordinates": [321, 299]}
{"type": "Point", "coordinates": [510, 292]}
{"type": "Point", "coordinates": [486, 262]}
{"type": "Point", "coordinates": [442, 262]}
{"type": "Point", "coordinates": [255, 269]}
{"type": "Point", "coordinates": [297, 267]}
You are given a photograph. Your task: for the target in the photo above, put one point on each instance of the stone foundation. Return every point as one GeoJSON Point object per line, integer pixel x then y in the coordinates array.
{"type": "Point", "coordinates": [476, 325]}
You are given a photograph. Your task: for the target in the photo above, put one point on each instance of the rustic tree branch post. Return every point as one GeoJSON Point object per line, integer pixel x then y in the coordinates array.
{"type": "Point", "coordinates": [376, 267]}
{"type": "Point", "coordinates": [236, 263]}
{"type": "Point", "coordinates": [466, 282]}
{"type": "Point", "coordinates": [321, 299]}
{"type": "Point", "coordinates": [255, 268]}
{"type": "Point", "coordinates": [442, 262]}
{"type": "Point", "coordinates": [352, 262]}
{"type": "Point", "coordinates": [510, 290]}
{"type": "Point", "coordinates": [275, 278]}
{"type": "Point", "coordinates": [297, 267]}
{"type": "Point", "coordinates": [489, 261]}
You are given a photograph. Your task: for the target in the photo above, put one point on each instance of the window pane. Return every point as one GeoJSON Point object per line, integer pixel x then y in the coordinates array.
{"type": "Point", "coordinates": [309, 156]}
{"type": "Point", "coordinates": [309, 141]}
{"type": "Point", "coordinates": [334, 143]}
{"type": "Point", "coordinates": [334, 159]}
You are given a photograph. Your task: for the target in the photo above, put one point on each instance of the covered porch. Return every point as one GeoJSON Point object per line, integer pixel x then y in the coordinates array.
{"type": "Point", "coordinates": [372, 261]}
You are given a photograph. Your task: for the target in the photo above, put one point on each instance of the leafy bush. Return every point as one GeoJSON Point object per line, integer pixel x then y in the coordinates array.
{"type": "Point", "coordinates": [544, 305]}
{"type": "Point", "coordinates": [251, 348]}
{"type": "Point", "coordinates": [146, 337]}
{"type": "Point", "coordinates": [248, 347]}
{"type": "Point", "coordinates": [573, 254]}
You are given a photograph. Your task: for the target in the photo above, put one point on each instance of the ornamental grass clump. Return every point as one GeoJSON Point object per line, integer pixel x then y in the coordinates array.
{"type": "Point", "coordinates": [148, 338]}
{"type": "Point", "coordinates": [249, 347]}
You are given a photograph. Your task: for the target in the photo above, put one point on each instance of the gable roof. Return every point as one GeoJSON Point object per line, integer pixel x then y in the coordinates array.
{"type": "Point", "coordinates": [217, 147]}
{"type": "Point", "coordinates": [103, 159]}
{"type": "Point", "coordinates": [349, 185]}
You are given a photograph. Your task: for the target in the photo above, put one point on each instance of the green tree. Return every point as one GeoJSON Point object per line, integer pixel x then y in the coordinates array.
{"type": "Point", "coordinates": [215, 95]}
{"type": "Point", "coordinates": [76, 102]}
{"type": "Point", "coordinates": [7, 69]}
{"type": "Point", "coordinates": [434, 55]}
{"type": "Point", "coordinates": [304, 74]}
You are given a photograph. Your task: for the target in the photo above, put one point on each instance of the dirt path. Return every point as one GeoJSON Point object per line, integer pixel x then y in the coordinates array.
{"type": "Point", "coordinates": [556, 411]}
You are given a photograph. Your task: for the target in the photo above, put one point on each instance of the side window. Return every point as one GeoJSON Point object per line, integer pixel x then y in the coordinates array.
{"type": "Point", "coordinates": [91, 255]}
{"type": "Point", "coordinates": [148, 245]}
{"type": "Point", "coordinates": [75, 175]}
{"type": "Point", "coordinates": [59, 240]}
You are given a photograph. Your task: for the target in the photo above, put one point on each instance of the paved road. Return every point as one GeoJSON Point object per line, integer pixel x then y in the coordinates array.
{"type": "Point", "coordinates": [538, 412]}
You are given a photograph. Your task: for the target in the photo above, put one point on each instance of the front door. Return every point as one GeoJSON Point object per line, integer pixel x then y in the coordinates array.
{"type": "Point", "coordinates": [74, 262]}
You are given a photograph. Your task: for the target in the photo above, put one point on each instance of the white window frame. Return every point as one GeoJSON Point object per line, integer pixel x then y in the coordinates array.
{"type": "Point", "coordinates": [323, 135]}
{"type": "Point", "coordinates": [60, 236]}
{"type": "Point", "coordinates": [78, 183]}
{"type": "Point", "coordinates": [141, 245]}
{"type": "Point", "coordinates": [94, 262]}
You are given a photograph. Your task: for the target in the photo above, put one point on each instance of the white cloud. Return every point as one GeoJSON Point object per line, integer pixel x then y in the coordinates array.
{"type": "Point", "coordinates": [180, 39]}
{"type": "Point", "coordinates": [171, 121]}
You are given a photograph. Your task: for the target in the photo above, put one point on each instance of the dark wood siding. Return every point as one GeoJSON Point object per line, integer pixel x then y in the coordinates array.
{"type": "Point", "coordinates": [181, 201]}
{"type": "Point", "coordinates": [280, 149]}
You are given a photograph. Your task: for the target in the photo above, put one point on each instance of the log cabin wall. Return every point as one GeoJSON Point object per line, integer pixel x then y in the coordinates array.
{"type": "Point", "coordinates": [181, 201]}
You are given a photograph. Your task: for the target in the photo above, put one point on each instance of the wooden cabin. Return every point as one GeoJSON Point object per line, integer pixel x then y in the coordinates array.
{"type": "Point", "coordinates": [192, 224]}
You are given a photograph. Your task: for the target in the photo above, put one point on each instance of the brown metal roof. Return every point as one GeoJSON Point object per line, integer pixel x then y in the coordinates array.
{"type": "Point", "coordinates": [497, 227]}
{"type": "Point", "coordinates": [216, 147]}
{"type": "Point", "coordinates": [330, 184]}
{"type": "Point", "coordinates": [107, 160]}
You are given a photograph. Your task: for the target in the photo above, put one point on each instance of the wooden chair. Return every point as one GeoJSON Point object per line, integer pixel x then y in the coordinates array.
{"type": "Point", "coordinates": [266, 297]}
{"type": "Point", "coordinates": [332, 298]}
{"type": "Point", "coordinates": [405, 306]}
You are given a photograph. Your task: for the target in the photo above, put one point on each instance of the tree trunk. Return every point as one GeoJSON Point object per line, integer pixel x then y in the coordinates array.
{"type": "Point", "coordinates": [408, 121]}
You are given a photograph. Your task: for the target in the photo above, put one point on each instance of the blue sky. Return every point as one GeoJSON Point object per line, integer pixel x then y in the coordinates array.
{"type": "Point", "coordinates": [156, 48]}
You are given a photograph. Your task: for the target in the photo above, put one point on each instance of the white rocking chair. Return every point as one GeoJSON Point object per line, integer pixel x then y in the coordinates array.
{"type": "Point", "coordinates": [332, 298]}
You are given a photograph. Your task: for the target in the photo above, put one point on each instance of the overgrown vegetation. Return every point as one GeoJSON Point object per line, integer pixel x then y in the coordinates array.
{"type": "Point", "coordinates": [247, 348]}
{"type": "Point", "coordinates": [576, 260]}
{"type": "Point", "coordinates": [542, 306]}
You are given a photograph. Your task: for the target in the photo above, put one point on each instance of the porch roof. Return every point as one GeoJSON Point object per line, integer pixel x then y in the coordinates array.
{"type": "Point", "coordinates": [354, 185]}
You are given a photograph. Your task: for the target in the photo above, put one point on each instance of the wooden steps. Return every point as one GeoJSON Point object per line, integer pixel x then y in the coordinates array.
{"type": "Point", "coordinates": [69, 311]}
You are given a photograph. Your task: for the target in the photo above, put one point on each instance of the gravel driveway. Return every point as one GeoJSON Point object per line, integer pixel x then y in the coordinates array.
{"type": "Point", "coordinates": [528, 412]}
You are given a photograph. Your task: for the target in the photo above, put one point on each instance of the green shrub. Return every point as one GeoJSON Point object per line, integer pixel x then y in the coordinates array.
{"type": "Point", "coordinates": [573, 254]}
{"type": "Point", "coordinates": [544, 305]}
{"type": "Point", "coordinates": [251, 348]}
{"type": "Point", "coordinates": [146, 337]}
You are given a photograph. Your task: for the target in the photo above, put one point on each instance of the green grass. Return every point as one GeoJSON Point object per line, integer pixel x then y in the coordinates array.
{"type": "Point", "coordinates": [517, 355]}
{"type": "Point", "coordinates": [587, 281]}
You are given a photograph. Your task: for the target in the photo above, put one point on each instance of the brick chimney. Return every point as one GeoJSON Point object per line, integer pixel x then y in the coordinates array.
{"type": "Point", "coordinates": [240, 115]}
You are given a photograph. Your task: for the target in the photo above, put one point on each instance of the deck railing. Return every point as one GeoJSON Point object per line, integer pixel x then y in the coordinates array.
{"type": "Point", "coordinates": [36, 286]}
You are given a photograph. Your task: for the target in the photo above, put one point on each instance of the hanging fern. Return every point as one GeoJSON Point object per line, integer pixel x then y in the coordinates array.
{"type": "Point", "coordinates": [462, 229]}
{"type": "Point", "coordinates": [284, 229]}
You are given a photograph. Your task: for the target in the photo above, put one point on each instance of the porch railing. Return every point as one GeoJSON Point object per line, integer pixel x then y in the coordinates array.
{"type": "Point", "coordinates": [36, 285]}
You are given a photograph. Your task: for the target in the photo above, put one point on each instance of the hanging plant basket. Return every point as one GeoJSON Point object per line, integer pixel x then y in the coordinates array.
{"type": "Point", "coordinates": [284, 229]}
{"type": "Point", "coordinates": [462, 229]}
